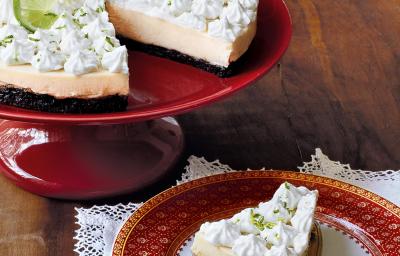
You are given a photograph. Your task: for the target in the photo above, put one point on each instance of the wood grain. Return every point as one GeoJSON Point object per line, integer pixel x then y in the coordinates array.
{"type": "Point", "coordinates": [337, 88]}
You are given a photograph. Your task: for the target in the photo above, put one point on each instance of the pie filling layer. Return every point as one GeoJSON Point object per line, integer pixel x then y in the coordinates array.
{"type": "Point", "coordinates": [62, 85]}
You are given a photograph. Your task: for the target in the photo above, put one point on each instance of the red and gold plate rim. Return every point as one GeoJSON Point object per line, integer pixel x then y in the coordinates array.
{"type": "Point", "coordinates": [129, 225]}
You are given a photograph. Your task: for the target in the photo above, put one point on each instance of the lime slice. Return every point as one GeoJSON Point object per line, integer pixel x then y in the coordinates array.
{"type": "Point", "coordinates": [34, 14]}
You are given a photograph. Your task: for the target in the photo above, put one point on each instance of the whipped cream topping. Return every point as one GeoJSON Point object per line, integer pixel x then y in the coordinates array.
{"type": "Point", "coordinates": [222, 28]}
{"type": "Point", "coordinates": [209, 9]}
{"type": "Point", "coordinates": [279, 227]}
{"type": "Point", "coordinates": [274, 212]}
{"type": "Point", "coordinates": [81, 40]}
{"type": "Point", "coordinates": [81, 62]}
{"type": "Point", "coordinates": [224, 19]}
{"type": "Point", "coordinates": [281, 251]}
{"type": "Point", "coordinates": [48, 59]}
{"type": "Point", "coordinates": [249, 4]}
{"type": "Point", "coordinates": [243, 220]}
{"type": "Point", "coordinates": [6, 12]}
{"type": "Point", "coordinates": [235, 13]}
{"type": "Point", "coordinates": [288, 195]}
{"type": "Point", "coordinates": [97, 28]}
{"type": "Point", "coordinates": [177, 7]}
{"type": "Point", "coordinates": [221, 233]}
{"type": "Point", "coordinates": [12, 31]}
{"type": "Point", "coordinates": [249, 245]}
{"type": "Point", "coordinates": [302, 220]}
{"type": "Point", "coordinates": [74, 41]}
{"type": "Point", "coordinates": [280, 234]}
{"type": "Point", "coordinates": [17, 52]}
{"type": "Point", "coordinates": [116, 60]}
{"type": "Point", "coordinates": [190, 20]}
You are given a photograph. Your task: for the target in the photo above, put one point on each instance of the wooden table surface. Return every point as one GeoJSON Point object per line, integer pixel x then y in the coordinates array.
{"type": "Point", "coordinates": [337, 88]}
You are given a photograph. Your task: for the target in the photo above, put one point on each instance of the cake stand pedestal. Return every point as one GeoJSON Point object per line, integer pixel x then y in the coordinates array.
{"type": "Point", "coordinates": [85, 162]}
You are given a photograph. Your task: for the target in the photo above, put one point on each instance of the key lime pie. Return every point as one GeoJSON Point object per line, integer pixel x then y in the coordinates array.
{"type": "Point", "coordinates": [279, 227]}
{"type": "Point", "coordinates": [208, 34]}
{"type": "Point", "coordinates": [63, 55]}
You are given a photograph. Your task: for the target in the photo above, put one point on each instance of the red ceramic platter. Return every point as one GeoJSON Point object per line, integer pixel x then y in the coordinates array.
{"type": "Point", "coordinates": [161, 87]}
{"type": "Point", "coordinates": [354, 221]}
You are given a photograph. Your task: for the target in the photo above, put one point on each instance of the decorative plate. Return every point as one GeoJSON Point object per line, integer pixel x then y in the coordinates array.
{"type": "Point", "coordinates": [353, 221]}
{"type": "Point", "coordinates": [160, 87]}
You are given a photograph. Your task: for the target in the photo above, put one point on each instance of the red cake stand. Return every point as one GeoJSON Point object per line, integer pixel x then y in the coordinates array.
{"type": "Point", "coordinates": [91, 156]}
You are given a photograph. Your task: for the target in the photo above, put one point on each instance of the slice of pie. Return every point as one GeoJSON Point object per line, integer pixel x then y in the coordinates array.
{"type": "Point", "coordinates": [279, 227]}
{"type": "Point", "coordinates": [61, 56]}
{"type": "Point", "coordinates": [208, 34]}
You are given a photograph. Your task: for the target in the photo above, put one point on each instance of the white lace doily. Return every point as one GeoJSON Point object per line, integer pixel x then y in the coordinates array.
{"type": "Point", "coordinates": [99, 225]}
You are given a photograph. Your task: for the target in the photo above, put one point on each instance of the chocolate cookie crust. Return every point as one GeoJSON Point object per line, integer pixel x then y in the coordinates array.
{"type": "Point", "coordinates": [180, 57]}
{"type": "Point", "coordinates": [24, 98]}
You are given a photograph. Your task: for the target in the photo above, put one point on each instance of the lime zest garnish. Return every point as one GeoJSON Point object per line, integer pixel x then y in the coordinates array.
{"type": "Point", "coordinates": [259, 221]}
{"type": "Point", "coordinates": [281, 220]}
{"type": "Point", "coordinates": [77, 23]}
{"type": "Point", "coordinates": [100, 9]}
{"type": "Point", "coordinates": [287, 186]}
{"type": "Point", "coordinates": [34, 39]}
{"type": "Point", "coordinates": [269, 225]}
{"type": "Point", "coordinates": [7, 40]}
{"type": "Point", "coordinates": [61, 27]}
{"type": "Point", "coordinates": [109, 41]}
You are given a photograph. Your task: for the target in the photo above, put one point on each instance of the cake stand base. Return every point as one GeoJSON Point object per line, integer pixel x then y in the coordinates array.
{"type": "Point", "coordinates": [87, 162]}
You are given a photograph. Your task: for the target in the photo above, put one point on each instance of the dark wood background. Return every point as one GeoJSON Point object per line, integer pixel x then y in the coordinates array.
{"type": "Point", "coordinates": [337, 88]}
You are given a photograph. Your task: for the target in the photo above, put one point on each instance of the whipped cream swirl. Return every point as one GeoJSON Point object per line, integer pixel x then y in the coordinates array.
{"type": "Point", "coordinates": [249, 245]}
{"type": "Point", "coordinates": [243, 220]}
{"type": "Point", "coordinates": [190, 20]}
{"type": "Point", "coordinates": [236, 14]}
{"type": "Point", "coordinates": [81, 62]}
{"type": "Point", "coordinates": [17, 52]}
{"type": "Point", "coordinates": [222, 233]}
{"type": "Point", "coordinates": [274, 212]}
{"type": "Point", "coordinates": [7, 12]}
{"type": "Point", "coordinates": [64, 24]}
{"type": "Point", "coordinates": [249, 4]}
{"type": "Point", "coordinates": [223, 29]}
{"type": "Point", "coordinates": [302, 219]}
{"type": "Point", "coordinates": [210, 9]}
{"type": "Point", "coordinates": [48, 59]}
{"type": "Point", "coordinates": [177, 7]}
{"type": "Point", "coordinates": [280, 251]}
{"type": "Point", "coordinates": [105, 44]}
{"type": "Point", "coordinates": [116, 60]}
{"type": "Point", "coordinates": [98, 28]}
{"type": "Point", "coordinates": [288, 195]}
{"type": "Point", "coordinates": [280, 234]}
{"type": "Point", "coordinates": [74, 41]}
{"type": "Point", "coordinates": [13, 31]}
